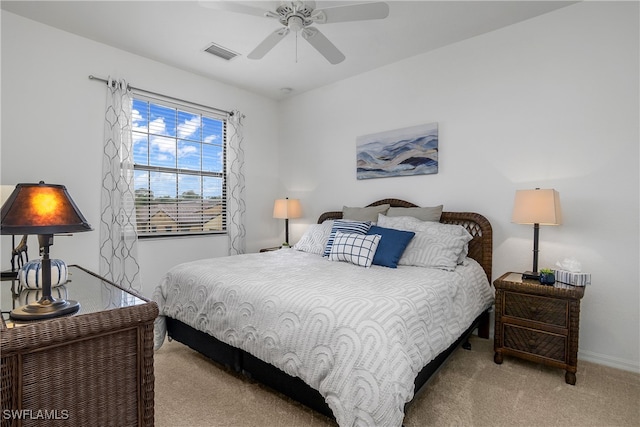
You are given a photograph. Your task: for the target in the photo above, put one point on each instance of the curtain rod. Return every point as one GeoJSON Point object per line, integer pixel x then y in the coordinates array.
{"type": "Point", "coordinates": [231, 113]}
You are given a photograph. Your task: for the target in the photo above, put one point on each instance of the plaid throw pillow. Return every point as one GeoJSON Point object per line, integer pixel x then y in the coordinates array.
{"type": "Point", "coordinates": [357, 249]}
{"type": "Point", "coordinates": [346, 226]}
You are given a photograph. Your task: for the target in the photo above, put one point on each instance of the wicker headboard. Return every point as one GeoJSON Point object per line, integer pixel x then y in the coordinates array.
{"type": "Point", "coordinates": [480, 247]}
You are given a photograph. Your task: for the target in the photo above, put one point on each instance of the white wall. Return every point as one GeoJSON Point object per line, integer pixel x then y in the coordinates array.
{"type": "Point", "coordinates": [551, 102]}
{"type": "Point", "coordinates": [52, 130]}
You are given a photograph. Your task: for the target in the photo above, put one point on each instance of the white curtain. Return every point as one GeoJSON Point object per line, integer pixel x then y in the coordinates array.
{"type": "Point", "coordinates": [235, 184]}
{"type": "Point", "coordinates": [118, 235]}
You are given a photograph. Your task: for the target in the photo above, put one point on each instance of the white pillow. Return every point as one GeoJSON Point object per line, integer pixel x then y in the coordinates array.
{"type": "Point", "coordinates": [357, 249]}
{"type": "Point", "coordinates": [442, 248]}
{"type": "Point", "coordinates": [406, 223]}
{"type": "Point", "coordinates": [315, 239]}
{"type": "Point", "coordinates": [435, 249]}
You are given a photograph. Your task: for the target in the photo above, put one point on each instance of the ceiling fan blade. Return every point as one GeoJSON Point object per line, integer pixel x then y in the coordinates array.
{"type": "Point", "coordinates": [322, 45]}
{"type": "Point", "coordinates": [233, 6]}
{"type": "Point", "coordinates": [268, 43]}
{"type": "Point", "coordinates": [311, 4]}
{"type": "Point", "coordinates": [355, 12]}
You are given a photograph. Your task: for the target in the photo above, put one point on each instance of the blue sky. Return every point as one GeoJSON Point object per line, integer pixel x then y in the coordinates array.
{"type": "Point", "coordinates": [184, 140]}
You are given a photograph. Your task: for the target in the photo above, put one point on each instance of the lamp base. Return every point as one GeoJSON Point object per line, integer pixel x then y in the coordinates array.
{"type": "Point", "coordinates": [530, 275]}
{"type": "Point", "coordinates": [45, 310]}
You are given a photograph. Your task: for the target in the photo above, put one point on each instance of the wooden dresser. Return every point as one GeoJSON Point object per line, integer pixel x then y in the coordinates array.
{"type": "Point", "coordinates": [537, 322]}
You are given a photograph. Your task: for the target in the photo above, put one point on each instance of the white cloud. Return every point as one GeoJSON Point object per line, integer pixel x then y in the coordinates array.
{"type": "Point", "coordinates": [165, 146]}
{"type": "Point", "coordinates": [189, 127]}
{"type": "Point", "coordinates": [141, 179]}
{"type": "Point", "coordinates": [157, 126]}
{"type": "Point", "coordinates": [136, 117]}
{"type": "Point", "coordinates": [186, 150]}
{"type": "Point", "coordinates": [211, 139]}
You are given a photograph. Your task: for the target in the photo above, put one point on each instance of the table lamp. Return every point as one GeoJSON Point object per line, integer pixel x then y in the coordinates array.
{"type": "Point", "coordinates": [536, 207]}
{"type": "Point", "coordinates": [286, 209]}
{"type": "Point", "coordinates": [42, 209]}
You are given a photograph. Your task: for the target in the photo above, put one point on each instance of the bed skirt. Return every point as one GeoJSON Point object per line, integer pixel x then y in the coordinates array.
{"type": "Point", "coordinates": [248, 365]}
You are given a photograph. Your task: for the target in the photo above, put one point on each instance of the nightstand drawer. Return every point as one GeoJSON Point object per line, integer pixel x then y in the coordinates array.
{"type": "Point", "coordinates": [535, 308]}
{"type": "Point", "coordinates": [535, 342]}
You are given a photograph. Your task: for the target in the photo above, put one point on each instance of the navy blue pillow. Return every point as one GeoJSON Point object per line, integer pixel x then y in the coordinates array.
{"type": "Point", "coordinates": [391, 246]}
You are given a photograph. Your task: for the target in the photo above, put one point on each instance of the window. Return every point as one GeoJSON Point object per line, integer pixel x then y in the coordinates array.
{"type": "Point", "coordinates": [179, 168]}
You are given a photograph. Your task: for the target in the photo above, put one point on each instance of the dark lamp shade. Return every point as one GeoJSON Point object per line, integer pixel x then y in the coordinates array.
{"type": "Point", "coordinates": [41, 209]}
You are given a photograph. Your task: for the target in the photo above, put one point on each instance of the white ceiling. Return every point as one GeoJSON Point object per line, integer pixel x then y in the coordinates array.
{"type": "Point", "coordinates": [177, 32]}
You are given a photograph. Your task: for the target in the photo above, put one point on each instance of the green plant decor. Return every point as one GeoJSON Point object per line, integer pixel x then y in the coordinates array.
{"type": "Point", "coordinates": [547, 276]}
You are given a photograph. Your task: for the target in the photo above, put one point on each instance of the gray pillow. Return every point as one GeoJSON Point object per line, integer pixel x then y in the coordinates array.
{"type": "Point", "coordinates": [423, 214]}
{"type": "Point", "coordinates": [369, 213]}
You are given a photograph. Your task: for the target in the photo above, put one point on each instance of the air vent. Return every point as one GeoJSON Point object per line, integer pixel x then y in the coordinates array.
{"type": "Point", "coordinates": [221, 52]}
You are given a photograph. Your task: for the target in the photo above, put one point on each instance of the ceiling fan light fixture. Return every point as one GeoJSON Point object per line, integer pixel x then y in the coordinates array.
{"type": "Point", "coordinates": [295, 23]}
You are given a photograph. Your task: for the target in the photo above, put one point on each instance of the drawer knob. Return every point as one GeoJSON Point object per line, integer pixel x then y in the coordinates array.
{"type": "Point", "coordinates": [532, 343]}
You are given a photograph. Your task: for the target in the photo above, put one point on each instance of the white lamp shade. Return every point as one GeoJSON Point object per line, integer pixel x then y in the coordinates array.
{"type": "Point", "coordinates": [537, 207]}
{"type": "Point", "coordinates": [287, 209]}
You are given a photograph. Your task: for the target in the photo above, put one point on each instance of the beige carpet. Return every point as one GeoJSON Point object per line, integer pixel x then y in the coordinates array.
{"type": "Point", "coordinates": [470, 390]}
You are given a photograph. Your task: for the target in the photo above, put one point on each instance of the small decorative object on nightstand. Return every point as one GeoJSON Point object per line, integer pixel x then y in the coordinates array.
{"type": "Point", "coordinates": [547, 276]}
{"type": "Point", "coordinates": [538, 322]}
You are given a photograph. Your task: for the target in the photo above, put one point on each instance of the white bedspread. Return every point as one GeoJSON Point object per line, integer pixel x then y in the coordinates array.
{"type": "Point", "coordinates": [357, 335]}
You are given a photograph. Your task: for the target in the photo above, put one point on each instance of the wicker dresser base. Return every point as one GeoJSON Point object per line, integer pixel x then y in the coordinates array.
{"type": "Point", "coordinates": [91, 369]}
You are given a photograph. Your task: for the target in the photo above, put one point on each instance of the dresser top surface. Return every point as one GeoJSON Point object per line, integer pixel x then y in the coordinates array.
{"type": "Point", "coordinates": [93, 292]}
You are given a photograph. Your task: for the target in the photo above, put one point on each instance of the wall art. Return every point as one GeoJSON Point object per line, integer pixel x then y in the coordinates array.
{"type": "Point", "coordinates": [400, 152]}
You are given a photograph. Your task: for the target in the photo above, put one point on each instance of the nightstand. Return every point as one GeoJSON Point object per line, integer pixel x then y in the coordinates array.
{"type": "Point", "coordinates": [537, 322]}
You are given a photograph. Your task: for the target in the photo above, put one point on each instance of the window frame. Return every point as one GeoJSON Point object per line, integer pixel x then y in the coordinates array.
{"type": "Point", "coordinates": [202, 112]}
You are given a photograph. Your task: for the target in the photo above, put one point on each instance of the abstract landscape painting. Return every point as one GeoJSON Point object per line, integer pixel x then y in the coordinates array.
{"type": "Point", "coordinates": [400, 152]}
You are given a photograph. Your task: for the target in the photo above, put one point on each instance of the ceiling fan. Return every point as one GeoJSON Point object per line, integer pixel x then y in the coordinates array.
{"type": "Point", "coordinates": [299, 16]}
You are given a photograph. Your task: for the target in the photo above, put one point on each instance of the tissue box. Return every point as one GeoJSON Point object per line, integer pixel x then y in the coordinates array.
{"type": "Point", "coordinates": [575, 279]}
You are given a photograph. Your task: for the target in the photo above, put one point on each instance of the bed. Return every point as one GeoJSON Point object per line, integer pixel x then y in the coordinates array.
{"type": "Point", "coordinates": [354, 342]}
